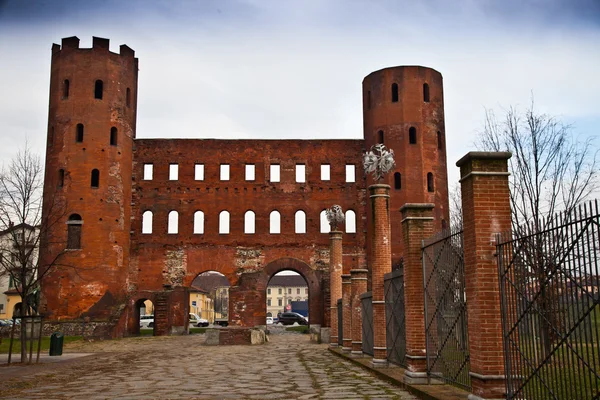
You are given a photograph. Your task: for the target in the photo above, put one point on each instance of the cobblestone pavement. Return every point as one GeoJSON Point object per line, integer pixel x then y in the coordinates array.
{"type": "Point", "coordinates": [288, 367]}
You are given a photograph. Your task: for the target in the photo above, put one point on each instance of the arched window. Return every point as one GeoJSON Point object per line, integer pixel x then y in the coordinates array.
{"type": "Point", "coordinates": [224, 223]}
{"type": "Point", "coordinates": [61, 177]}
{"type": "Point", "coordinates": [440, 140]}
{"type": "Point", "coordinates": [325, 228]}
{"type": "Point", "coordinates": [95, 178]}
{"type": "Point", "coordinates": [74, 231]}
{"type": "Point", "coordinates": [79, 133]}
{"type": "Point", "coordinates": [394, 92]}
{"type": "Point", "coordinates": [350, 221]}
{"type": "Point", "coordinates": [300, 221]}
{"type": "Point", "coordinates": [128, 97]}
{"type": "Point", "coordinates": [397, 181]}
{"type": "Point", "coordinates": [430, 182]}
{"type": "Point", "coordinates": [250, 222]}
{"type": "Point", "coordinates": [274, 222]}
{"type": "Point", "coordinates": [412, 135]}
{"type": "Point", "coordinates": [199, 223]}
{"type": "Point", "coordinates": [113, 136]}
{"type": "Point", "coordinates": [147, 222]}
{"type": "Point", "coordinates": [426, 93]}
{"type": "Point", "coordinates": [66, 89]}
{"type": "Point", "coordinates": [98, 88]}
{"type": "Point", "coordinates": [380, 137]}
{"type": "Point", "coordinates": [173, 226]}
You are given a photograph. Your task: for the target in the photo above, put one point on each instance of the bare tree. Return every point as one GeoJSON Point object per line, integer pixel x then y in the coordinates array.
{"type": "Point", "coordinates": [456, 213]}
{"type": "Point", "coordinates": [552, 173]}
{"type": "Point", "coordinates": [21, 184]}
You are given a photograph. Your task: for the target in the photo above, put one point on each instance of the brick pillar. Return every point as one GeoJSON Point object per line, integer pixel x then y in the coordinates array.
{"type": "Point", "coordinates": [335, 283]}
{"type": "Point", "coordinates": [358, 286]}
{"type": "Point", "coordinates": [347, 313]}
{"type": "Point", "coordinates": [381, 264]}
{"type": "Point", "coordinates": [486, 211]}
{"type": "Point", "coordinates": [417, 225]}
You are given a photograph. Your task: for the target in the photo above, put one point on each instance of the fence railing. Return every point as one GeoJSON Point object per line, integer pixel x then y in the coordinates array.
{"type": "Point", "coordinates": [340, 321]}
{"type": "Point", "coordinates": [446, 309]}
{"type": "Point", "coordinates": [366, 300]}
{"type": "Point", "coordinates": [549, 286]}
{"type": "Point", "coordinates": [395, 317]}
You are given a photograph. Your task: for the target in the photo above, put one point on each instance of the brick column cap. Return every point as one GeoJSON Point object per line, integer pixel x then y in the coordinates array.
{"type": "Point", "coordinates": [418, 206]}
{"type": "Point", "coordinates": [358, 271]}
{"type": "Point", "coordinates": [483, 155]}
{"type": "Point", "coordinates": [379, 186]}
{"type": "Point", "coordinates": [335, 234]}
{"type": "Point", "coordinates": [346, 278]}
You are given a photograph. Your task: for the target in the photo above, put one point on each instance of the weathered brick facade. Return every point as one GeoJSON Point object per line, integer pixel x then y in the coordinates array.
{"type": "Point", "coordinates": [117, 266]}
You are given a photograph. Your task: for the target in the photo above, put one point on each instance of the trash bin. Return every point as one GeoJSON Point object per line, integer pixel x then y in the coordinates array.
{"type": "Point", "coordinates": [56, 344]}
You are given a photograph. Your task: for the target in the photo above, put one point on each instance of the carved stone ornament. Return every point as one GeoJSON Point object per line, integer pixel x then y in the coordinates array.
{"type": "Point", "coordinates": [378, 161]}
{"type": "Point", "coordinates": [335, 216]}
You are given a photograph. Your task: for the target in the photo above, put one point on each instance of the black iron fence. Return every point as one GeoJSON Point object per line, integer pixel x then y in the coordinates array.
{"type": "Point", "coordinates": [340, 321]}
{"type": "Point", "coordinates": [549, 284]}
{"type": "Point", "coordinates": [395, 317]}
{"type": "Point", "coordinates": [446, 309]}
{"type": "Point", "coordinates": [366, 300]}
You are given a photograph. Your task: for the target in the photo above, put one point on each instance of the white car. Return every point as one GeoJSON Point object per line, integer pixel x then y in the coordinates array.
{"type": "Point", "coordinates": [147, 321]}
{"type": "Point", "coordinates": [269, 320]}
{"type": "Point", "coordinates": [195, 320]}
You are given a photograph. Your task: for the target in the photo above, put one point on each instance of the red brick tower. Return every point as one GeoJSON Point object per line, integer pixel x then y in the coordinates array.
{"type": "Point", "coordinates": [403, 108]}
{"type": "Point", "coordinates": [87, 188]}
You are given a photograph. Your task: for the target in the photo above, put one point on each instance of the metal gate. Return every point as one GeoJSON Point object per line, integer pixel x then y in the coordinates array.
{"type": "Point", "coordinates": [446, 309]}
{"type": "Point", "coordinates": [340, 311]}
{"type": "Point", "coordinates": [395, 317]}
{"type": "Point", "coordinates": [366, 300]}
{"type": "Point", "coordinates": [550, 298]}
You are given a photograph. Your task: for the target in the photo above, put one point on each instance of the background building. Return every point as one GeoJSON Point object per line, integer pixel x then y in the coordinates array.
{"type": "Point", "coordinates": [282, 290]}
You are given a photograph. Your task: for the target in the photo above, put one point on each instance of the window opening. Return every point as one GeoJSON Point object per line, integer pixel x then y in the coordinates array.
{"type": "Point", "coordinates": [74, 231]}
{"type": "Point", "coordinates": [250, 222]}
{"type": "Point", "coordinates": [66, 89]}
{"type": "Point", "coordinates": [350, 221]}
{"type": "Point", "coordinates": [147, 222]}
{"type": "Point", "coordinates": [274, 173]}
{"type": "Point", "coordinates": [394, 92]}
{"type": "Point", "coordinates": [224, 222]}
{"type": "Point", "coordinates": [95, 178]}
{"type": "Point", "coordinates": [440, 140]}
{"type": "Point", "coordinates": [380, 137]}
{"type": "Point", "coordinates": [325, 172]}
{"type": "Point", "coordinates": [430, 182]}
{"type": "Point", "coordinates": [250, 172]}
{"type": "Point", "coordinates": [224, 174]}
{"type": "Point", "coordinates": [98, 88]}
{"type": "Point", "coordinates": [426, 93]}
{"type": "Point", "coordinates": [397, 181]}
{"type": "Point", "coordinates": [325, 228]}
{"type": "Point", "coordinates": [300, 221]}
{"type": "Point", "coordinates": [173, 172]}
{"type": "Point", "coordinates": [199, 172]}
{"type": "Point", "coordinates": [173, 226]}
{"type": "Point", "coordinates": [275, 222]}
{"type": "Point", "coordinates": [79, 135]}
{"type": "Point", "coordinates": [128, 98]}
{"type": "Point", "coordinates": [113, 136]}
{"type": "Point", "coordinates": [148, 171]}
{"type": "Point", "coordinates": [350, 173]}
{"type": "Point", "coordinates": [300, 173]}
{"type": "Point", "coordinates": [199, 222]}
{"type": "Point", "coordinates": [61, 177]}
{"type": "Point", "coordinates": [412, 135]}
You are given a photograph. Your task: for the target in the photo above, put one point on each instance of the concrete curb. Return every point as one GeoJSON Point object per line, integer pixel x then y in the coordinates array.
{"type": "Point", "coordinates": [395, 376]}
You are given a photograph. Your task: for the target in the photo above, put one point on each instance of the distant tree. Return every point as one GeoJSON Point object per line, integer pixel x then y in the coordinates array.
{"type": "Point", "coordinates": [550, 172]}
{"type": "Point", "coordinates": [456, 214]}
{"type": "Point", "coordinates": [21, 184]}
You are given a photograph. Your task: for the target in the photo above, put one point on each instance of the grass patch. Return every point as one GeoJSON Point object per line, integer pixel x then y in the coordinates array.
{"type": "Point", "coordinates": [16, 349]}
{"type": "Point", "coordinates": [300, 328]}
{"type": "Point", "coordinates": [197, 330]}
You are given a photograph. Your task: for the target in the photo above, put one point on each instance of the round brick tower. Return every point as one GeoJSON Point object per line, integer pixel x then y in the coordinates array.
{"type": "Point", "coordinates": [403, 108]}
{"type": "Point", "coordinates": [87, 188]}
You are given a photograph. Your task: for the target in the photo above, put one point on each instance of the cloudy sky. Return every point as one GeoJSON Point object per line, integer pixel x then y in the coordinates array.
{"type": "Point", "coordinates": [293, 69]}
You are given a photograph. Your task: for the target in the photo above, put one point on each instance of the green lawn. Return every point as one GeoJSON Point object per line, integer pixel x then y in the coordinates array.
{"type": "Point", "coordinates": [45, 344]}
{"type": "Point", "coordinates": [300, 328]}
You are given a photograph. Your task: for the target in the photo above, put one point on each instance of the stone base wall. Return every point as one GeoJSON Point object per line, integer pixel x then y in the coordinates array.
{"type": "Point", "coordinates": [89, 330]}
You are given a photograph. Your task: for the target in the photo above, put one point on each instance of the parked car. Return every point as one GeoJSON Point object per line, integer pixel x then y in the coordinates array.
{"type": "Point", "coordinates": [269, 320]}
{"type": "Point", "coordinates": [289, 318]}
{"type": "Point", "coordinates": [195, 320]}
{"type": "Point", "coordinates": [147, 321]}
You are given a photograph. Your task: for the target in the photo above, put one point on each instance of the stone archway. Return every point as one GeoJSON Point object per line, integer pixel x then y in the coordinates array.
{"type": "Point", "coordinates": [247, 300]}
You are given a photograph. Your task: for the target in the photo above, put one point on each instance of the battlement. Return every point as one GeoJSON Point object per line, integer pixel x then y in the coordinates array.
{"type": "Point", "coordinates": [98, 44]}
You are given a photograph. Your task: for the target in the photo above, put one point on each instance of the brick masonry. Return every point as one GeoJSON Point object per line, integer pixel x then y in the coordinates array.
{"type": "Point", "coordinates": [358, 278]}
{"type": "Point", "coordinates": [347, 312]}
{"type": "Point", "coordinates": [118, 266]}
{"type": "Point", "coordinates": [486, 212]}
{"type": "Point", "coordinates": [335, 282]}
